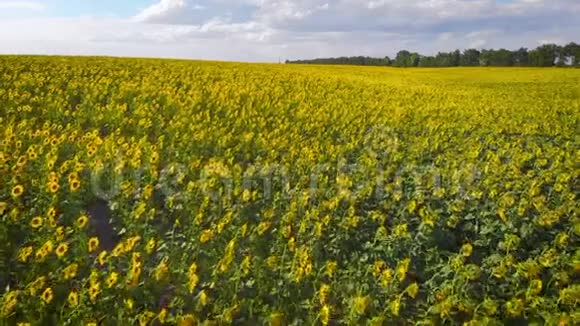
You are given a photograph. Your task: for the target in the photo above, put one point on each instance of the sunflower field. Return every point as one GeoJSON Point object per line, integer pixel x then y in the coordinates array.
{"type": "Point", "coordinates": [167, 192]}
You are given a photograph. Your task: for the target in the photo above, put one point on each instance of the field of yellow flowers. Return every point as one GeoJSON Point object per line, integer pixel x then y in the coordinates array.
{"type": "Point", "coordinates": [153, 192]}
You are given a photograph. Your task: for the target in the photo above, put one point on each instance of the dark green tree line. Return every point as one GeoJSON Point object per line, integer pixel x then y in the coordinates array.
{"type": "Point", "coordinates": [546, 55]}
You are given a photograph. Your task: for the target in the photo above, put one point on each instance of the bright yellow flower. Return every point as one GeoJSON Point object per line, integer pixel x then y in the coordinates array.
{"type": "Point", "coordinates": [74, 185]}
{"type": "Point", "coordinates": [412, 290]}
{"type": "Point", "coordinates": [70, 271]}
{"type": "Point", "coordinates": [466, 250]}
{"type": "Point", "coordinates": [402, 268]}
{"type": "Point", "coordinates": [360, 304]}
{"type": "Point", "coordinates": [53, 187]}
{"type": "Point", "coordinates": [24, 254]}
{"type": "Point", "coordinates": [36, 222]}
{"type": "Point", "coordinates": [47, 295]}
{"type": "Point", "coordinates": [73, 299]}
{"type": "Point", "coordinates": [203, 298]}
{"type": "Point", "coordinates": [17, 191]}
{"type": "Point", "coordinates": [82, 221]}
{"type": "Point", "coordinates": [102, 258]}
{"type": "Point", "coordinates": [325, 315]}
{"type": "Point", "coordinates": [112, 279]}
{"type": "Point", "coordinates": [94, 291]}
{"type": "Point", "coordinates": [323, 293]}
{"type": "Point", "coordinates": [93, 244]}
{"type": "Point", "coordinates": [61, 249]}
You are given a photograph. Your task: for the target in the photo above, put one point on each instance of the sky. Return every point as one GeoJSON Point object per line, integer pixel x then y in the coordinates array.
{"type": "Point", "coordinates": [274, 30]}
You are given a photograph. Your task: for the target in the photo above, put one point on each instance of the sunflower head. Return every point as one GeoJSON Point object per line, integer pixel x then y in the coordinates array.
{"type": "Point", "coordinates": [93, 244]}
{"type": "Point", "coordinates": [73, 299]}
{"type": "Point", "coordinates": [61, 249]}
{"type": "Point", "coordinates": [47, 295]}
{"type": "Point", "coordinates": [51, 212]}
{"type": "Point", "coordinates": [70, 271]}
{"type": "Point", "coordinates": [36, 222]}
{"type": "Point", "coordinates": [3, 207]}
{"type": "Point", "coordinates": [75, 185]}
{"type": "Point", "coordinates": [102, 257]}
{"type": "Point", "coordinates": [73, 176]}
{"type": "Point", "coordinates": [82, 221]}
{"type": "Point", "coordinates": [94, 291]}
{"type": "Point", "coordinates": [53, 187]}
{"type": "Point", "coordinates": [17, 191]}
{"type": "Point", "coordinates": [112, 279]}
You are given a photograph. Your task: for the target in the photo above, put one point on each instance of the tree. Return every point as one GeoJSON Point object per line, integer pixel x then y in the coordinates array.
{"type": "Point", "coordinates": [413, 60]}
{"type": "Point", "coordinates": [470, 57]}
{"type": "Point", "coordinates": [427, 61]}
{"type": "Point", "coordinates": [520, 57]}
{"type": "Point", "coordinates": [455, 58]}
{"type": "Point", "coordinates": [544, 55]}
{"type": "Point", "coordinates": [501, 57]}
{"type": "Point", "coordinates": [406, 59]}
{"type": "Point", "coordinates": [572, 53]}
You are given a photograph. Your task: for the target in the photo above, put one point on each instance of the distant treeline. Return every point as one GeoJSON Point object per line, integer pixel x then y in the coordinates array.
{"type": "Point", "coordinates": [546, 55]}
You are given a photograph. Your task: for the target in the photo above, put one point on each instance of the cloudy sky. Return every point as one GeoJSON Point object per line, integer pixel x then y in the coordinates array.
{"type": "Point", "coordinates": [272, 30]}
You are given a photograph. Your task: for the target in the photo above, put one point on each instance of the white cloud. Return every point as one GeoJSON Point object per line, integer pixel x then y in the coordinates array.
{"type": "Point", "coordinates": [21, 5]}
{"type": "Point", "coordinates": [265, 30]}
{"type": "Point", "coordinates": [165, 10]}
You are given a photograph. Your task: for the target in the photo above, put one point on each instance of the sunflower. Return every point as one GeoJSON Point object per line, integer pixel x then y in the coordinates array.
{"type": "Point", "coordinates": [412, 290]}
{"type": "Point", "coordinates": [466, 250]}
{"type": "Point", "coordinates": [360, 304]}
{"type": "Point", "coordinates": [150, 246]}
{"type": "Point", "coordinates": [323, 293]}
{"type": "Point", "coordinates": [21, 161]}
{"type": "Point", "coordinates": [59, 233]}
{"type": "Point", "coordinates": [24, 254]}
{"type": "Point", "coordinates": [52, 222]}
{"type": "Point", "coordinates": [402, 268]}
{"type": "Point", "coordinates": [61, 249]}
{"type": "Point", "coordinates": [51, 212]}
{"type": "Point", "coordinates": [325, 315]}
{"type": "Point", "coordinates": [92, 150]}
{"type": "Point", "coordinates": [53, 187]}
{"type": "Point", "coordinates": [37, 285]}
{"type": "Point", "coordinates": [70, 271]}
{"type": "Point", "coordinates": [47, 295]}
{"type": "Point", "coordinates": [102, 257]}
{"type": "Point", "coordinates": [129, 304]}
{"type": "Point", "coordinates": [73, 299]}
{"type": "Point", "coordinates": [36, 222]}
{"type": "Point", "coordinates": [10, 302]}
{"type": "Point", "coordinates": [73, 176]}
{"type": "Point", "coordinates": [187, 320]}
{"type": "Point", "coordinates": [112, 279]}
{"type": "Point", "coordinates": [47, 247]}
{"type": "Point", "coordinates": [52, 177]}
{"type": "Point", "coordinates": [162, 316]}
{"type": "Point", "coordinates": [94, 291]}
{"type": "Point", "coordinates": [82, 221]}
{"type": "Point", "coordinates": [75, 185]}
{"type": "Point", "coordinates": [40, 255]}
{"type": "Point", "coordinates": [93, 244]}
{"type": "Point", "coordinates": [17, 191]}
{"type": "Point", "coordinates": [3, 207]}
{"type": "Point", "coordinates": [203, 298]}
